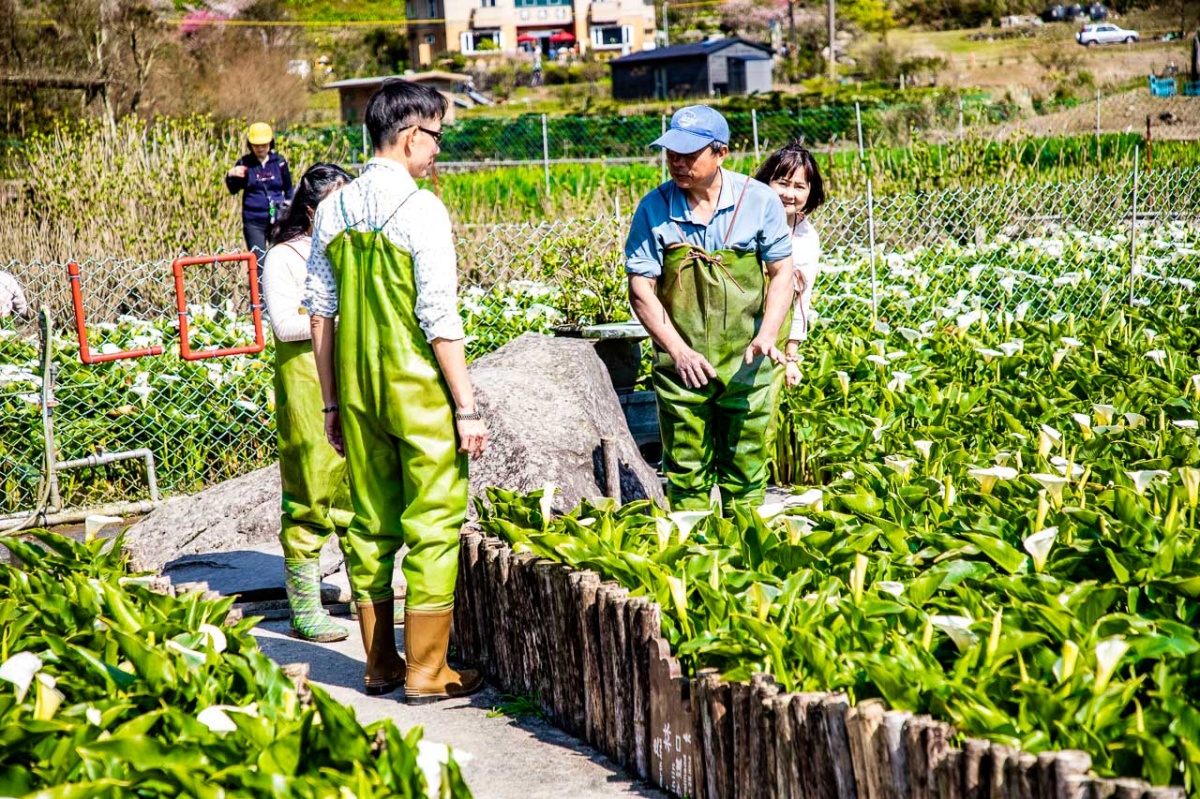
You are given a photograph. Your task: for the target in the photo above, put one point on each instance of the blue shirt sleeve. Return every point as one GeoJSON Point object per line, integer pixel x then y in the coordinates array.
{"type": "Point", "coordinates": [775, 238]}
{"type": "Point", "coordinates": [643, 251]}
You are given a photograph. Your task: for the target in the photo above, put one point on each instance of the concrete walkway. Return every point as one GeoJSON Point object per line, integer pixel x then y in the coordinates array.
{"type": "Point", "coordinates": [505, 757]}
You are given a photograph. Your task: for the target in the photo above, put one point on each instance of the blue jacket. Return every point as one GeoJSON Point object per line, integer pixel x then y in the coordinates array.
{"type": "Point", "coordinates": [264, 185]}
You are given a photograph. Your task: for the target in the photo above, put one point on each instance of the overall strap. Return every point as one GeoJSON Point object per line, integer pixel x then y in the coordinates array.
{"type": "Point", "coordinates": [396, 210]}
{"type": "Point", "coordinates": [736, 208]}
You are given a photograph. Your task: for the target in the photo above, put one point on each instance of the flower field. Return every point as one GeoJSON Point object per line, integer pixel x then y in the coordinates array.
{"type": "Point", "coordinates": [995, 523]}
{"type": "Point", "coordinates": [108, 688]}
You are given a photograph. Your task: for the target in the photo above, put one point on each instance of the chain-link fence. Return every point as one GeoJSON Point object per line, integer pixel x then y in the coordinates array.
{"type": "Point", "coordinates": [1028, 249]}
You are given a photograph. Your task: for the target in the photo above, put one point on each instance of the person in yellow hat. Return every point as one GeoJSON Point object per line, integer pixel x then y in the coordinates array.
{"type": "Point", "coordinates": [263, 178]}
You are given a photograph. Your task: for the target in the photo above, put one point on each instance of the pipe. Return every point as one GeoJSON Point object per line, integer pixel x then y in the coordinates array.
{"type": "Point", "coordinates": [85, 354]}
{"type": "Point", "coordinates": [138, 508]}
{"type": "Point", "coordinates": [185, 347]}
{"type": "Point", "coordinates": [48, 403]}
{"type": "Point", "coordinates": [105, 458]}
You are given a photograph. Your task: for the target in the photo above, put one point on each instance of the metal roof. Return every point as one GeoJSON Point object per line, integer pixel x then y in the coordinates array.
{"type": "Point", "coordinates": [687, 50]}
{"type": "Point", "coordinates": [417, 77]}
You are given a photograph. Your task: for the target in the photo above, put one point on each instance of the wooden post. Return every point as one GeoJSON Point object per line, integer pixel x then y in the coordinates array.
{"type": "Point", "coordinates": [740, 694]}
{"type": "Point", "coordinates": [760, 751]}
{"type": "Point", "coordinates": [973, 771]}
{"type": "Point", "coordinates": [926, 742]}
{"type": "Point", "coordinates": [642, 624]}
{"type": "Point", "coordinates": [673, 748]}
{"type": "Point", "coordinates": [550, 678]}
{"type": "Point", "coordinates": [574, 609]}
{"type": "Point", "coordinates": [612, 468]}
{"type": "Point", "coordinates": [496, 660]}
{"type": "Point", "coordinates": [995, 766]}
{"type": "Point", "coordinates": [863, 722]}
{"type": "Point", "coordinates": [787, 770]}
{"type": "Point", "coordinates": [948, 776]}
{"type": "Point", "coordinates": [891, 752]}
{"type": "Point", "coordinates": [612, 640]}
{"type": "Point", "coordinates": [1068, 773]}
{"type": "Point", "coordinates": [593, 688]}
{"type": "Point", "coordinates": [713, 729]}
{"type": "Point", "coordinates": [833, 709]}
{"type": "Point", "coordinates": [816, 780]}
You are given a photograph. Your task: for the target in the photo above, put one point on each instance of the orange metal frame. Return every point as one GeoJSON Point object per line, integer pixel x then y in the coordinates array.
{"type": "Point", "coordinates": [85, 354]}
{"type": "Point", "coordinates": [185, 349]}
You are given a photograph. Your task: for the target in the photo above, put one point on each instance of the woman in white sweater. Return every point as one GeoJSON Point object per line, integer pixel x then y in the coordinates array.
{"type": "Point", "coordinates": [792, 172]}
{"type": "Point", "coordinates": [316, 495]}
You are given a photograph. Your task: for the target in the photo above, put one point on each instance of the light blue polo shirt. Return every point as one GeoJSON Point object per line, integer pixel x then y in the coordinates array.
{"type": "Point", "coordinates": [663, 214]}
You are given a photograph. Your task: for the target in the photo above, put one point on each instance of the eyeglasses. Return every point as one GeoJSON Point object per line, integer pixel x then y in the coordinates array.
{"type": "Point", "coordinates": [436, 134]}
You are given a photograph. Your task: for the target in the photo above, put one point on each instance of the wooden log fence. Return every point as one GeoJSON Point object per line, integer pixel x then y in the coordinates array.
{"type": "Point", "coordinates": [594, 660]}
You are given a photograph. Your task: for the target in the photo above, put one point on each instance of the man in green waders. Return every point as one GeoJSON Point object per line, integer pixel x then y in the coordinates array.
{"type": "Point", "coordinates": [709, 259]}
{"type": "Point", "coordinates": [398, 402]}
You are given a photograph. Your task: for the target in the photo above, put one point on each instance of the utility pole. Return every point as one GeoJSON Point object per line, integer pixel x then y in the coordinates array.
{"type": "Point", "coordinates": [832, 37]}
{"type": "Point", "coordinates": [666, 30]}
{"type": "Point", "coordinates": [792, 53]}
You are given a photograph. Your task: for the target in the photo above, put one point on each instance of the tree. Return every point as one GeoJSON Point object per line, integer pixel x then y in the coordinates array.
{"type": "Point", "coordinates": [873, 16]}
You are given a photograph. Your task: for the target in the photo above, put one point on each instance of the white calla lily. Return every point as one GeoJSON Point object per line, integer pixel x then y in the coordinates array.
{"type": "Point", "coordinates": [890, 587]}
{"type": "Point", "coordinates": [94, 523]}
{"type": "Point", "coordinates": [1185, 424]}
{"type": "Point", "coordinates": [1190, 476]}
{"type": "Point", "coordinates": [664, 529]}
{"type": "Point", "coordinates": [899, 381]}
{"type": "Point", "coordinates": [924, 447]}
{"type": "Point", "coordinates": [878, 360]}
{"type": "Point", "coordinates": [769, 510]}
{"type": "Point", "coordinates": [1061, 464]}
{"type": "Point", "coordinates": [1108, 656]}
{"type": "Point", "coordinates": [1158, 356]}
{"type": "Point", "coordinates": [988, 353]}
{"type": "Point", "coordinates": [1053, 483]}
{"type": "Point", "coordinates": [1057, 359]}
{"type": "Point", "coordinates": [94, 716]}
{"type": "Point", "coordinates": [844, 381]}
{"type": "Point", "coordinates": [965, 320]}
{"type": "Point", "coordinates": [1194, 384]}
{"type": "Point", "coordinates": [1085, 424]}
{"type": "Point", "coordinates": [1011, 348]}
{"type": "Point", "coordinates": [1144, 478]}
{"type": "Point", "coordinates": [20, 670]}
{"type": "Point", "coordinates": [989, 477]}
{"type": "Point", "coordinates": [1133, 420]}
{"type": "Point", "coordinates": [1104, 414]}
{"type": "Point", "coordinates": [900, 464]}
{"type": "Point", "coordinates": [1039, 545]}
{"type": "Point", "coordinates": [216, 637]}
{"type": "Point", "coordinates": [797, 528]}
{"type": "Point", "coordinates": [958, 628]}
{"type": "Point", "coordinates": [1072, 343]}
{"type": "Point", "coordinates": [812, 498]}
{"type": "Point", "coordinates": [431, 757]}
{"type": "Point", "coordinates": [1048, 439]}
{"type": "Point", "coordinates": [685, 520]}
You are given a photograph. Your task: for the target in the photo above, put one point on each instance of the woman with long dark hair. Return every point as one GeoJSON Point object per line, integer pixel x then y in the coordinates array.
{"type": "Point", "coordinates": [792, 172]}
{"type": "Point", "coordinates": [316, 495]}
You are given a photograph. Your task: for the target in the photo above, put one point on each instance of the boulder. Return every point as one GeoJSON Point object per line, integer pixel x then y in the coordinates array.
{"type": "Point", "coordinates": [548, 402]}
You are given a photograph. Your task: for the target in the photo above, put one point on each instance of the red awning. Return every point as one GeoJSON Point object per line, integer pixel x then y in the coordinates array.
{"type": "Point", "coordinates": [562, 36]}
{"type": "Point", "coordinates": [525, 37]}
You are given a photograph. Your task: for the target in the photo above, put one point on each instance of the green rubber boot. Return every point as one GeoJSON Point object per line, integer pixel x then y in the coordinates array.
{"type": "Point", "coordinates": [310, 620]}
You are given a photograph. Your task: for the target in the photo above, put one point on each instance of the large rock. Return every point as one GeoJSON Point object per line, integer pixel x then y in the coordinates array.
{"type": "Point", "coordinates": [548, 402]}
{"type": "Point", "coordinates": [242, 513]}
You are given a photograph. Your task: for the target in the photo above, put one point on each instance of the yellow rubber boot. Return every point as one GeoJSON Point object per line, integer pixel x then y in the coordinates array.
{"type": "Point", "coordinates": [426, 639]}
{"type": "Point", "coordinates": [385, 668]}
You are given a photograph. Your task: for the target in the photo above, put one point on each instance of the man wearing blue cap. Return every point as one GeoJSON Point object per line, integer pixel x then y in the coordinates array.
{"type": "Point", "coordinates": [709, 259]}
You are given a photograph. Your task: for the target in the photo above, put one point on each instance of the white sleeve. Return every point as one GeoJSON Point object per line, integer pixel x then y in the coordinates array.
{"type": "Point", "coordinates": [282, 294]}
{"type": "Point", "coordinates": [435, 268]}
{"type": "Point", "coordinates": [320, 289]}
{"type": "Point", "coordinates": [806, 255]}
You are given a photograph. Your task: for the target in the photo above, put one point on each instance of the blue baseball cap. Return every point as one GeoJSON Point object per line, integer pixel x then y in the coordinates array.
{"type": "Point", "coordinates": [693, 128]}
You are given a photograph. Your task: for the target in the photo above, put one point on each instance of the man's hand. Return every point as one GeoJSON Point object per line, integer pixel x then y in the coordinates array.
{"type": "Point", "coordinates": [237, 172]}
{"type": "Point", "coordinates": [333, 432]}
{"type": "Point", "coordinates": [472, 436]}
{"type": "Point", "coordinates": [693, 367]}
{"type": "Point", "coordinates": [791, 375]}
{"type": "Point", "coordinates": [762, 346]}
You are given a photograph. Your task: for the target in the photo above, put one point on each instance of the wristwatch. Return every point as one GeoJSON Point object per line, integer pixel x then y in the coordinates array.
{"type": "Point", "coordinates": [473, 416]}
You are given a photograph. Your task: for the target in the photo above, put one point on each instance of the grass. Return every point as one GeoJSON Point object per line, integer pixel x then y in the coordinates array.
{"type": "Point", "coordinates": [345, 10]}
{"type": "Point", "coordinates": [518, 707]}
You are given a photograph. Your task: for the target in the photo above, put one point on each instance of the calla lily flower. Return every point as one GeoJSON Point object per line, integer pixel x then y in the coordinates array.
{"type": "Point", "coordinates": [48, 698]}
{"type": "Point", "coordinates": [988, 477]}
{"type": "Point", "coordinates": [94, 523]}
{"type": "Point", "coordinates": [1048, 438]}
{"type": "Point", "coordinates": [1053, 483]}
{"type": "Point", "coordinates": [890, 587]}
{"type": "Point", "coordinates": [844, 382]}
{"type": "Point", "coordinates": [965, 320]}
{"type": "Point", "coordinates": [1133, 420]}
{"type": "Point", "coordinates": [1039, 544]}
{"type": "Point", "coordinates": [1191, 481]}
{"type": "Point", "coordinates": [1185, 424]}
{"type": "Point", "coordinates": [910, 335]}
{"type": "Point", "coordinates": [989, 353]}
{"type": "Point", "coordinates": [1108, 656]}
{"type": "Point", "coordinates": [685, 520]}
{"type": "Point", "coordinates": [1085, 424]}
{"type": "Point", "coordinates": [1065, 666]}
{"type": "Point", "coordinates": [797, 527]}
{"type": "Point", "coordinates": [1158, 356]}
{"type": "Point", "coordinates": [881, 327]}
{"type": "Point", "coordinates": [1057, 359]}
{"type": "Point", "coordinates": [431, 756]}
{"type": "Point", "coordinates": [1194, 381]}
{"type": "Point", "coordinates": [1150, 333]}
{"type": "Point", "coordinates": [878, 360]}
{"type": "Point", "coordinates": [1072, 343]}
{"type": "Point", "coordinates": [1062, 464]}
{"type": "Point", "coordinates": [924, 447]}
{"type": "Point", "coordinates": [216, 637]}
{"type": "Point", "coordinates": [663, 530]}
{"type": "Point", "coordinates": [19, 670]}
{"type": "Point", "coordinates": [216, 717]}
{"type": "Point", "coordinates": [1143, 479]}
{"type": "Point", "coordinates": [94, 716]}
{"type": "Point", "coordinates": [769, 510]}
{"type": "Point", "coordinates": [896, 355]}
{"type": "Point", "coordinates": [899, 381]}
{"type": "Point", "coordinates": [899, 464]}
{"type": "Point", "coordinates": [1104, 413]}
{"type": "Point", "coordinates": [1011, 348]}
{"type": "Point", "coordinates": [958, 628]}
{"type": "Point", "coordinates": [546, 503]}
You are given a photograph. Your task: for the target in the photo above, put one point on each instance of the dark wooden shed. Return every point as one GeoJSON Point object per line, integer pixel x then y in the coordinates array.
{"type": "Point", "coordinates": [704, 69]}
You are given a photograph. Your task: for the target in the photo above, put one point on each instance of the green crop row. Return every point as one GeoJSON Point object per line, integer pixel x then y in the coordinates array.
{"type": "Point", "coordinates": [996, 524]}
{"type": "Point", "coordinates": [109, 690]}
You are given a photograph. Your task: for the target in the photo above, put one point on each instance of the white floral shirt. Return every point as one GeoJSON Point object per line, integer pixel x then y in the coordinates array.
{"type": "Point", "coordinates": [421, 228]}
{"type": "Point", "coordinates": [806, 253]}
